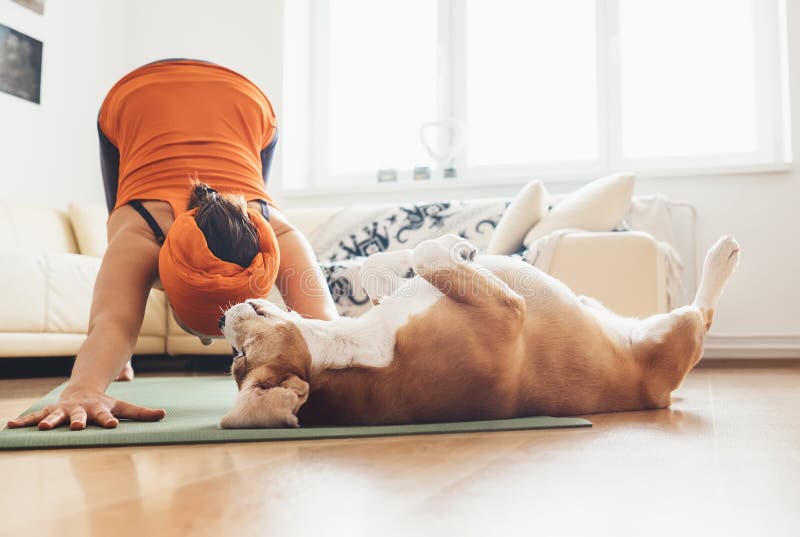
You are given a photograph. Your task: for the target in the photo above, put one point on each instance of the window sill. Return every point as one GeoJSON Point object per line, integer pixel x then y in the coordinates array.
{"type": "Point", "coordinates": [467, 184]}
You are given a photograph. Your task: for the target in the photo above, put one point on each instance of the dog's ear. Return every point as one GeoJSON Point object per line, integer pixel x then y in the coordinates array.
{"type": "Point", "coordinates": [261, 407]}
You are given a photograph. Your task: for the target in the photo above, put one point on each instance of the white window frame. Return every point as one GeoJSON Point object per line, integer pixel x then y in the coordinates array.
{"type": "Point", "coordinates": [773, 135]}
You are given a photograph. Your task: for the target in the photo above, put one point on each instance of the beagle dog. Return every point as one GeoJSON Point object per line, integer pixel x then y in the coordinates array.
{"type": "Point", "coordinates": [466, 337]}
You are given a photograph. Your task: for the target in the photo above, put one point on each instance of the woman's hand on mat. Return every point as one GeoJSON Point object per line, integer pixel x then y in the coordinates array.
{"type": "Point", "coordinates": [78, 406]}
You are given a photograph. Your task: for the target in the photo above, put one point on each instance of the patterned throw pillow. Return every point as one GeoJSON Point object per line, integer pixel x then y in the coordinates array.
{"type": "Point", "coordinates": [343, 242]}
{"type": "Point", "coordinates": [345, 286]}
{"type": "Point", "coordinates": [391, 228]}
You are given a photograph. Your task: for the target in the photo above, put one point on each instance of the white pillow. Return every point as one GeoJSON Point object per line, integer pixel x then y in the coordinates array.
{"type": "Point", "coordinates": [529, 205]}
{"type": "Point", "coordinates": [597, 206]}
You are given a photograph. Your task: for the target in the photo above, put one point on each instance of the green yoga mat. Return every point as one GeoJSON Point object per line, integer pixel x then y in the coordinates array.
{"type": "Point", "coordinates": [195, 405]}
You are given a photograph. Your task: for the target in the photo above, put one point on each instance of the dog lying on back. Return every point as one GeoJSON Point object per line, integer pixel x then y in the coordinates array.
{"type": "Point", "coordinates": [467, 337]}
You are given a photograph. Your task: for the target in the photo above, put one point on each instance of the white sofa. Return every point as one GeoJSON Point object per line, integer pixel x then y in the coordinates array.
{"type": "Point", "coordinates": [49, 259]}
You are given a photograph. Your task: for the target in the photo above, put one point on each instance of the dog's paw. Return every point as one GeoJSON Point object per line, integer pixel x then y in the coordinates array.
{"type": "Point", "coordinates": [382, 273]}
{"type": "Point", "coordinates": [395, 262]}
{"type": "Point", "coordinates": [459, 248]}
{"type": "Point", "coordinates": [721, 260]}
{"type": "Point", "coordinates": [723, 257]}
{"type": "Point", "coordinates": [258, 407]}
{"type": "Point", "coordinates": [263, 307]}
{"type": "Point", "coordinates": [446, 251]}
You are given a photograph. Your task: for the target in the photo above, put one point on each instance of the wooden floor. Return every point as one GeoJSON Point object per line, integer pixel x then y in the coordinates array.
{"type": "Point", "coordinates": [725, 460]}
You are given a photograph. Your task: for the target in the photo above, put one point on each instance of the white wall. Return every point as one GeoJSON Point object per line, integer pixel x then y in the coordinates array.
{"type": "Point", "coordinates": [245, 35]}
{"type": "Point", "coordinates": [49, 153]}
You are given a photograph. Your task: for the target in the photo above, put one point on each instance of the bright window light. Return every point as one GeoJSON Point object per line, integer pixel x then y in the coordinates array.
{"type": "Point", "coordinates": [542, 87]}
{"type": "Point", "coordinates": [688, 85]}
{"type": "Point", "coordinates": [530, 81]}
{"type": "Point", "coordinates": [382, 83]}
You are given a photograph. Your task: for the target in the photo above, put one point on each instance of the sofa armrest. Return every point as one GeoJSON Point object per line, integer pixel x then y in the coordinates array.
{"type": "Point", "coordinates": [51, 294]}
{"type": "Point", "coordinates": [623, 270]}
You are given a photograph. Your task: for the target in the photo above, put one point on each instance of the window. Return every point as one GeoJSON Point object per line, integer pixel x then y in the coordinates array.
{"type": "Point", "coordinates": [515, 88]}
{"type": "Point", "coordinates": [381, 83]}
{"type": "Point", "coordinates": [692, 91]}
{"type": "Point", "coordinates": [531, 82]}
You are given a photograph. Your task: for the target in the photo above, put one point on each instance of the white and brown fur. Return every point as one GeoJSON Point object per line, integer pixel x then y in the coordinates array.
{"type": "Point", "coordinates": [465, 338]}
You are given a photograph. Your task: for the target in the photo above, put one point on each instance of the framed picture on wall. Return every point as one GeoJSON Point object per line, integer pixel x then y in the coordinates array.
{"type": "Point", "coordinates": [33, 5]}
{"type": "Point", "coordinates": [20, 64]}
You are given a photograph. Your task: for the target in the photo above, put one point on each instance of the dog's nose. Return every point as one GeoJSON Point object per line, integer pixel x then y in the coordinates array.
{"type": "Point", "coordinates": [221, 322]}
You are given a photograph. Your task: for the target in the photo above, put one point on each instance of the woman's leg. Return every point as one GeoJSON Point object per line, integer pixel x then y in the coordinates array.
{"type": "Point", "coordinates": [300, 279]}
{"type": "Point", "coordinates": [109, 166]}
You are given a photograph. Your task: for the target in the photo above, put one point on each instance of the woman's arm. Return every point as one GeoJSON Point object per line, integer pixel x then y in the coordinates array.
{"type": "Point", "coordinates": [300, 279]}
{"type": "Point", "coordinates": [126, 274]}
{"type": "Point", "coordinates": [128, 270]}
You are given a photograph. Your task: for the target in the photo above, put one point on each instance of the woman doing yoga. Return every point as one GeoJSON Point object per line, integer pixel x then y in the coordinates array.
{"type": "Point", "coordinates": [186, 148]}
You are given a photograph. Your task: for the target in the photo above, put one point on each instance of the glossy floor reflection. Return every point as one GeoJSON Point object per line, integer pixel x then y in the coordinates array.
{"type": "Point", "coordinates": [725, 460]}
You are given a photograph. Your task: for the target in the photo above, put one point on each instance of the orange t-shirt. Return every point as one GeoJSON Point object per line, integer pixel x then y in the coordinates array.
{"type": "Point", "coordinates": [178, 119]}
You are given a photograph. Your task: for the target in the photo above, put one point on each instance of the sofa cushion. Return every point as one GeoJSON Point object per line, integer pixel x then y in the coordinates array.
{"type": "Point", "coordinates": [632, 260]}
{"type": "Point", "coordinates": [597, 206]}
{"type": "Point", "coordinates": [53, 293]}
{"type": "Point", "coordinates": [50, 292]}
{"type": "Point", "coordinates": [35, 228]}
{"type": "Point", "coordinates": [23, 286]}
{"type": "Point", "coordinates": [344, 282]}
{"type": "Point", "coordinates": [89, 222]}
{"type": "Point", "coordinates": [155, 315]}
{"type": "Point", "coordinates": [307, 220]}
{"type": "Point", "coordinates": [34, 344]}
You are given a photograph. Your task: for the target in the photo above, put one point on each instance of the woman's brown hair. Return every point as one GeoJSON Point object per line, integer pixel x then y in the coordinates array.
{"type": "Point", "coordinates": [224, 222]}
